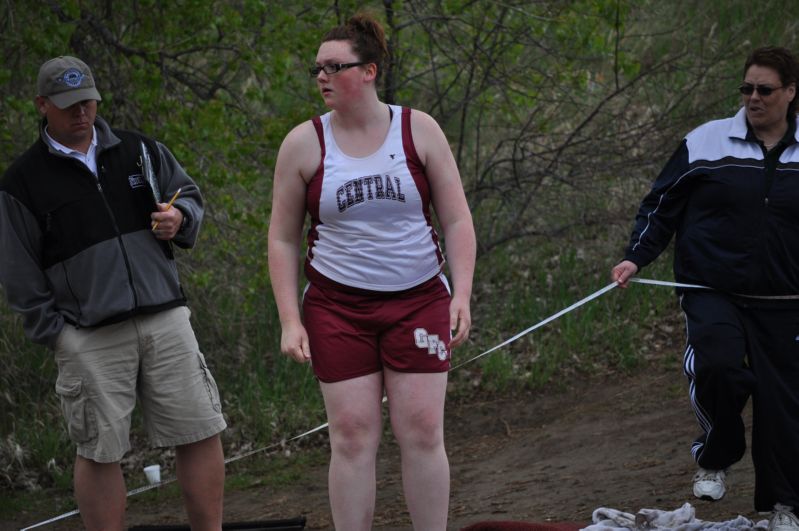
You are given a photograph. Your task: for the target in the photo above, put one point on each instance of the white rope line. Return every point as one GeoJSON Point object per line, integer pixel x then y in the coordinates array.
{"type": "Point", "coordinates": [665, 283]}
{"type": "Point", "coordinates": [508, 341]}
{"type": "Point", "coordinates": [54, 519]}
{"type": "Point", "coordinates": [549, 319]}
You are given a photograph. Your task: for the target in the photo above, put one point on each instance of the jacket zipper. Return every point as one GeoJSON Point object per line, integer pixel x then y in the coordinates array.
{"type": "Point", "coordinates": [101, 168]}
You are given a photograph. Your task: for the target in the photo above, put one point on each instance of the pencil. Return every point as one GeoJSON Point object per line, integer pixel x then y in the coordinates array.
{"type": "Point", "coordinates": [168, 206]}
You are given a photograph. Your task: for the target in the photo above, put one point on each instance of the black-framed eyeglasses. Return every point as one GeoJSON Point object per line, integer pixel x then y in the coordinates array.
{"type": "Point", "coordinates": [747, 89]}
{"type": "Point", "coordinates": [332, 68]}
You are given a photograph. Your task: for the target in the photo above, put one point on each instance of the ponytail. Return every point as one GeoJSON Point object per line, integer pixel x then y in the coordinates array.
{"type": "Point", "coordinates": [366, 36]}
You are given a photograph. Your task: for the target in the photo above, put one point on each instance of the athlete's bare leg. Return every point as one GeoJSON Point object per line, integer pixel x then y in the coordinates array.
{"type": "Point", "coordinates": [354, 413]}
{"type": "Point", "coordinates": [416, 403]}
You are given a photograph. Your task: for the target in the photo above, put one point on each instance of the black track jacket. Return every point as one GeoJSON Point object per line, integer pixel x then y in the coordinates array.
{"type": "Point", "coordinates": [735, 217]}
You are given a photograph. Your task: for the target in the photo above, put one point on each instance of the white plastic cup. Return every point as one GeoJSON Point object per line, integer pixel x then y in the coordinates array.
{"type": "Point", "coordinates": [153, 473]}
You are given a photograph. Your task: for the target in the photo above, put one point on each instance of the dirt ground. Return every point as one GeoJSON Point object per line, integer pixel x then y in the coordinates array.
{"type": "Point", "coordinates": [619, 442]}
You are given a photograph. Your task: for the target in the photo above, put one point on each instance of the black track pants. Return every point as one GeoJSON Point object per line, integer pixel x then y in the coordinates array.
{"type": "Point", "coordinates": [735, 351]}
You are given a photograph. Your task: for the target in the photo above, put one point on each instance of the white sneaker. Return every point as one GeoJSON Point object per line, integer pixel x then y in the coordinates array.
{"type": "Point", "coordinates": [783, 519]}
{"type": "Point", "coordinates": [710, 484]}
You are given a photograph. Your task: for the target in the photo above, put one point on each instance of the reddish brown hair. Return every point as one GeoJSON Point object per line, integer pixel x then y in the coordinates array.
{"type": "Point", "coordinates": [366, 36]}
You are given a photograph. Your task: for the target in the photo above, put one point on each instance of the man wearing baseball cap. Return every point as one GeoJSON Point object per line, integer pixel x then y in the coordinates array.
{"type": "Point", "coordinates": [88, 262]}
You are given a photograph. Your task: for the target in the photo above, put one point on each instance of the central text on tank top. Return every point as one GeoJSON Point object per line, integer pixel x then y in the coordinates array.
{"type": "Point", "coordinates": [380, 243]}
{"type": "Point", "coordinates": [358, 190]}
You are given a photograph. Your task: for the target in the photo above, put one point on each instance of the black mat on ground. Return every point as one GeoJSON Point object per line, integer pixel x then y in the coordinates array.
{"type": "Point", "coordinates": [290, 524]}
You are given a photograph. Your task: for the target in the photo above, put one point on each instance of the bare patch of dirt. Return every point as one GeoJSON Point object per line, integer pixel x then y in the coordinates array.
{"type": "Point", "coordinates": [546, 457]}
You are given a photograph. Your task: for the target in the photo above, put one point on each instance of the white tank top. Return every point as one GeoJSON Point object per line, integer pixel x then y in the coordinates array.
{"type": "Point", "coordinates": [370, 216]}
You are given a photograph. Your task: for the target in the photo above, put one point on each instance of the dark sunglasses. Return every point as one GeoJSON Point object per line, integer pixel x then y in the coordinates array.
{"type": "Point", "coordinates": [747, 89]}
{"type": "Point", "coordinates": [334, 67]}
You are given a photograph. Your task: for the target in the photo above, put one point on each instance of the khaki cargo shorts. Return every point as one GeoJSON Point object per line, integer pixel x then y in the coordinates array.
{"type": "Point", "coordinates": [155, 358]}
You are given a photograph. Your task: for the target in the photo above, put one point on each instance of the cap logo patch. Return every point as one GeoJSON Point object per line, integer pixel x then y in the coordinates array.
{"type": "Point", "coordinates": [71, 78]}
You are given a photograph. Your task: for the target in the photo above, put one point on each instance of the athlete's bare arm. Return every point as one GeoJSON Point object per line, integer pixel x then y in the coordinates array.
{"type": "Point", "coordinates": [452, 211]}
{"type": "Point", "coordinates": [297, 160]}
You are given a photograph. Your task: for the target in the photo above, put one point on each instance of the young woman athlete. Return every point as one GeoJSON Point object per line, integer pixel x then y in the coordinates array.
{"type": "Point", "coordinates": [378, 314]}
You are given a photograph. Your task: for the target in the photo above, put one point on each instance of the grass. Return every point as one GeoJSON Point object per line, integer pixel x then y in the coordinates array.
{"type": "Point", "coordinates": [50, 502]}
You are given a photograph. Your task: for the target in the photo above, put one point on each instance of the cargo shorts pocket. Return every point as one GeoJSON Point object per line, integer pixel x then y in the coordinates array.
{"type": "Point", "coordinates": [78, 412]}
{"type": "Point", "coordinates": [210, 385]}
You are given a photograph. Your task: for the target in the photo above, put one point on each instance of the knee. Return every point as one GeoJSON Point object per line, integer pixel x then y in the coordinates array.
{"type": "Point", "coordinates": [711, 358]}
{"type": "Point", "coordinates": [719, 375]}
{"type": "Point", "coordinates": [209, 449]}
{"type": "Point", "coordinates": [352, 437]}
{"type": "Point", "coordinates": [422, 431]}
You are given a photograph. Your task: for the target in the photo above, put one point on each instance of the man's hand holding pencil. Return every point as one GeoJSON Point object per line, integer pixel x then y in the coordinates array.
{"type": "Point", "coordinates": [167, 221]}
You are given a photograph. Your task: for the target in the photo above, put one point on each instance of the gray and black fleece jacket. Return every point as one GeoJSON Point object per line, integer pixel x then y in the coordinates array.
{"type": "Point", "coordinates": [78, 248]}
{"type": "Point", "coordinates": [733, 207]}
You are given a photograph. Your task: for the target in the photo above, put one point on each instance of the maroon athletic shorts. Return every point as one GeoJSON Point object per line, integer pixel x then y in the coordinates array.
{"type": "Point", "coordinates": [355, 334]}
